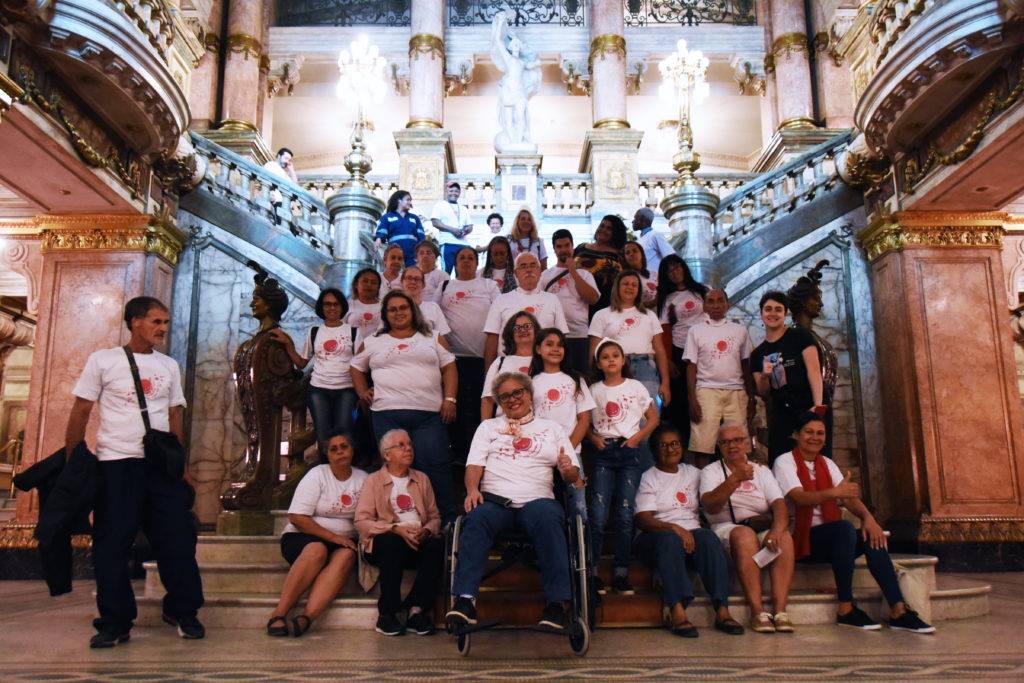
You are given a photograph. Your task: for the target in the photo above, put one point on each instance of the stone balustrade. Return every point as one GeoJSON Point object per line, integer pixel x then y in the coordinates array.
{"type": "Point", "coordinates": [249, 187]}
{"type": "Point", "coordinates": [773, 195]}
{"type": "Point", "coordinates": [571, 194]}
{"type": "Point", "coordinates": [323, 186]}
{"type": "Point", "coordinates": [153, 17]}
{"type": "Point", "coordinates": [655, 186]}
{"type": "Point", "coordinates": [890, 19]}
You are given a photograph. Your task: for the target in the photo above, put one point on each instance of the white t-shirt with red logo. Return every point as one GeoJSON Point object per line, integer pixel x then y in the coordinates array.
{"type": "Point", "coordinates": [497, 277]}
{"type": "Point", "coordinates": [107, 379]}
{"type": "Point", "coordinates": [555, 398]}
{"type": "Point", "coordinates": [331, 357]}
{"type": "Point", "coordinates": [401, 501]}
{"type": "Point", "coordinates": [632, 329]}
{"type": "Point", "coordinates": [788, 479]}
{"type": "Point", "coordinates": [465, 303]}
{"type": "Point", "coordinates": [432, 282]}
{"type": "Point", "coordinates": [364, 317]}
{"type": "Point", "coordinates": [406, 372]}
{"type": "Point", "coordinates": [649, 287]}
{"type": "Point", "coordinates": [387, 285]}
{"type": "Point", "coordinates": [576, 310]}
{"type": "Point", "coordinates": [673, 497]}
{"type": "Point", "coordinates": [753, 497]}
{"type": "Point", "coordinates": [331, 503]}
{"type": "Point", "coordinates": [688, 309]}
{"type": "Point", "coordinates": [434, 316]}
{"type": "Point", "coordinates": [717, 347]}
{"type": "Point", "coordinates": [544, 306]}
{"type": "Point", "coordinates": [520, 469]}
{"type": "Point", "coordinates": [500, 365]}
{"type": "Point", "coordinates": [619, 410]}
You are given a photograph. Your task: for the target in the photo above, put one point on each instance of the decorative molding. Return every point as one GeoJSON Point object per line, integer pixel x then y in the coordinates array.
{"type": "Point", "coordinates": [9, 93]}
{"type": "Point", "coordinates": [112, 233]}
{"type": "Point", "coordinates": [246, 44]}
{"type": "Point", "coordinates": [284, 75]}
{"type": "Point", "coordinates": [20, 253]}
{"type": "Point", "coordinates": [427, 44]}
{"type": "Point", "coordinates": [423, 123]}
{"type": "Point", "coordinates": [820, 42]}
{"type": "Point", "coordinates": [212, 43]}
{"type": "Point", "coordinates": [748, 81]}
{"type": "Point", "coordinates": [790, 43]}
{"type": "Point", "coordinates": [21, 536]}
{"type": "Point", "coordinates": [237, 126]}
{"type": "Point", "coordinates": [153, 19]}
{"type": "Point", "coordinates": [606, 44]}
{"type": "Point", "coordinates": [797, 123]}
{"type": "Point", "coordinates": [861, 170]}
{"type": "Point", "coordinates": [613, 124]}
{"type": "Point", "coordinates": [769, 64]}
{"type": "Point", "coordinates": [932, 229]}
{"type": "Point", "coordinates": [971, 529]}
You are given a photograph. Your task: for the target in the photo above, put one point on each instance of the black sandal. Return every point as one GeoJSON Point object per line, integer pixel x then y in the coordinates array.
{"type": "Point", "coordinates": [300, 625]}
{"type": "Point", "coordinates": [729, 626]}
{"type": "Point", "coordinates": [277, 631]}
{"type": "Point", "coordinates": [684, 629]}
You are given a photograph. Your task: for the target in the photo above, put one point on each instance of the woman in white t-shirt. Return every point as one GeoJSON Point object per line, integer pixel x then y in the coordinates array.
{"type": "Point", "coordinates": [414, 385]}
{"type": "Point", "coordinates": [635, 258]}
{"type": "Point", "coordinates": [427, 253]}
{"type": "Point", "coordinates": [672, 540]}
{"type": "Point", "coordinates": [518, 339]}
{"type": "Point", "coordinates": [498, 264]}
{"type": "Point", "coordinates": [680, 306]}
{"type": "Point", "coordinates": [413, 282]}
{"type": "Point", "coordinates": [465, 301]}
{"type": "Point", "coordinates": [330, 397]}
{"type": "Point", "coordinates": [638, 331]}
{"type": "Point", "coordinates": [523, 238]}
{"type": "Point", "coordinates": [364, 306]}
{"type": "Point", "coordinates": [319, 541]}
{"type": "Point", "coordinates": [394, 262]}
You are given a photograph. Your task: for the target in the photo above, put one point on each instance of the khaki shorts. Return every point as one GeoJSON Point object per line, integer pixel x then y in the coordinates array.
{"type": "Point", "coordinates": [723, 531]}
{"type": "Point", "coordinates": [718, 406]}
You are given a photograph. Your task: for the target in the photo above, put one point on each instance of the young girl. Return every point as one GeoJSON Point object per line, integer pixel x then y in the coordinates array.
{"type": "Point", "coordinates": [498, 264]}
{"type": "Point", "coordinates": [635, 258]}
{"type": "Point", "coordinates": [560, 396]}
{"type": "Point", "coordinates": [622, 404]}
{"type": "Point", "coordinates": [427, 254]}
{"type": "Point", "coordinates": [517, 344]}
{"type": "Point", "coordinates": [394, 261]}
{"type": "Point", "coordinates": [364, 307]}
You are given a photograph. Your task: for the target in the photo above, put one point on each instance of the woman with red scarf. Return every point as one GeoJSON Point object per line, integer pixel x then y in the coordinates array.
{"type": "Point", "coordinates": [814, 488]}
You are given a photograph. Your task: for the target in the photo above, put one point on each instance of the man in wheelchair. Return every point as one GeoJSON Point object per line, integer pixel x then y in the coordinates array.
{"type": "Point", "coordinates": [510, 484]}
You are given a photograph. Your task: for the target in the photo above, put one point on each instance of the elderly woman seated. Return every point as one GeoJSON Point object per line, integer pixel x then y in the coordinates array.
{"type": "Point", "coordinates": [319, 541]}
{"type": "Point", "coordinates": [748, 512]}
{"type": "Point", "coordinates": [671, 536]}
{"type": "Point", "coordinates": [509, 484]}
{"type": "Point", "coordinates": [399, 523]}
{"type": "Point", "coordinates": [815, 488]}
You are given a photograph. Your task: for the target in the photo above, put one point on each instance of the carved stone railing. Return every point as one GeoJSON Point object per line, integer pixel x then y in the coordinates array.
{"type": "Point", "coordinates": [775, 194]}
{"type": "Point", "coordinates": [323, 186]}
{"type": "Point", "coordinates": [569, 194]}
{"type": "Point", "coordinates": [249, 187]}
{"type": "Point", "coordinates": [153, 17]}
{"type": "Point", "coordinates": [890, 19]}
{"type": "Point", "coordinates": [655, 186]}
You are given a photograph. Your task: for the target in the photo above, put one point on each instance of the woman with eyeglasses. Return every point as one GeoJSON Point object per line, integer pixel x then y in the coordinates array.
{"type": "Point", "coordinates": [413, 285]}
{"type": "Point", "coordinates": [517, 340]}
{"type": "Point", "coordinates": [672, 540]}
{"type": "Point", "coordinates": [414, 388]}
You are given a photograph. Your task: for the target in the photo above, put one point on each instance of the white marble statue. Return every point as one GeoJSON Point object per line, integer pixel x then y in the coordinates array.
{"type": "Point", "coordinates": [521, 81]}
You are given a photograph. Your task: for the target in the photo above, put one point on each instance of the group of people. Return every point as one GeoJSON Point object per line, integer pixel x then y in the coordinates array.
{"type": "Point", "coordinates": [506, 371]}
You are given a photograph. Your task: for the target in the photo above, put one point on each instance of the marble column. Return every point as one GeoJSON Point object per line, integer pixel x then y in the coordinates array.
{"type": "Point", "coordinates": [91, 266]}
{"type": "Point", "coordinates": [426, 64]}
{"type": "Point", "coordinates": [202, 95]}
{"type": "Point", "coordinates": [792, 67]}
{"type": "Point", "coordinates": [835, 81]}
{"type": "Point", "coordinates": [952, 412]}
{"type": "Point", "coordinates": [607, 64]}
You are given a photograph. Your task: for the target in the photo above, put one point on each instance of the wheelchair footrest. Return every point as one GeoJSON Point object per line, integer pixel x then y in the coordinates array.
{"type": "Point", "coordinates": [553, 630]}
{"type": "Point", "coordinates": [458, 628]}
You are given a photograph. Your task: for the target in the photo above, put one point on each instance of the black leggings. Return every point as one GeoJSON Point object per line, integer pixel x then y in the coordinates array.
{"type": "Point", "coordinates": [840, 543]}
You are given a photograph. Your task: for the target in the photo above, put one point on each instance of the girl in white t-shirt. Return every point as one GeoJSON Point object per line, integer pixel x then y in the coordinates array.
{"type": "Point", "coordinates": [364, 306]}
{"type": "Point", "coordinates": [618, 430]}
{"type": "Point", "coordinates": [330, 346]}
{"type": "Point", "coordinates": [518, 339]}
{"type": "Point", "coordinates": [636, 259]}
{"type": "Point", "coordinates": [498, 264]}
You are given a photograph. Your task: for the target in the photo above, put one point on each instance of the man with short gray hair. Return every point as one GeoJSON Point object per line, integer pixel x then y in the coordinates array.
{"type": "Point", "coordinates": [654, 244]}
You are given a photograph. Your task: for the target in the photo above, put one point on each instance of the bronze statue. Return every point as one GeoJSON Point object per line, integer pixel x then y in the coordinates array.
{"type": "Point", "coordinates": [805, 305]}
{"type": "Point", "coordinates": [265, 382]}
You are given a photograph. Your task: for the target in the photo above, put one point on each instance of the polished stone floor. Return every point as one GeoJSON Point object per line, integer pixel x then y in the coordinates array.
{"type": "Point", "coordinates": [45, 639]}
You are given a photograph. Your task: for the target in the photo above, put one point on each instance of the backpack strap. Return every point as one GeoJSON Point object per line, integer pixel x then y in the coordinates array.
{"type": "Point", "coordinates": [556, 278]}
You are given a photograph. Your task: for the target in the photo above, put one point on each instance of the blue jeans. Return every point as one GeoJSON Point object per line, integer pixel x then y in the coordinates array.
{"type": "Point", "coordinates": [542, 519]}
{"type": "Point", "coordinates": [433, 457]}
{"type": "Point", "coordinates": [448, 252]}
{"type": "Point", "coordinates": [664, 551]}
{"type": "Point", "coordinates": [331, 409]}
{"type": "Point", "coordinates": [616, 476]}
{"type": "Point", "coordinates": [839, 543]}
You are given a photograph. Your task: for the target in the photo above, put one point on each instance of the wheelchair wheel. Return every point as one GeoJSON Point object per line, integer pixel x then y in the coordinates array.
{"type": "Point", "coordinates": [579, 638]}
{"type": "Point", "coordinates": [464, 642]}
{"type": "Point", "coordinates": [582, 607]}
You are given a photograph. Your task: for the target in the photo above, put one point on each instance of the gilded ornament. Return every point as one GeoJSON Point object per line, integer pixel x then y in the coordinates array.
{"type": "Point", "coordinates": [423, 123]}
{"type": "Point", "coordinates": [893, 233]}
{"type": "Point", "coordinates": [769, 64]}
{"type": "Point", "coordinates": [971, 529]}
{"type": "Point", "coordinates": [112, 233]}
{"type": "Point", "coordinates": [797, 123]}
{"type": "Point", "coordinates": [211, 42]}
{"type": "Point", "coordinates": [246, 44]}
{"type": "Point", "coordinates": [790, 43]}
{"type": "Point", "coordinates": [863, 170]}
{"type": "Point", "coordinates": [606, 44]}
{"type": "Point", "coordinates": [612, 124]}
{"type": "Point", "coordinates": [427, 44]}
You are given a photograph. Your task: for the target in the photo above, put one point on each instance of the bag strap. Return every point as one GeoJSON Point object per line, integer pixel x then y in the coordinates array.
{"type": "Point", "coordinates": [444, 285]}
{"type": "Point", "coordinates": [312, 335]}
{"type": "Point", "coordinates": [556, 278]}
{"type": "Point", "coordinates": [726, 473]}
{"type": "Point", "coordinates": [138, 387]}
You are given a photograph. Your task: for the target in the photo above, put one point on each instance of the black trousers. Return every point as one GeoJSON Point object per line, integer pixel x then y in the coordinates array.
{"type": "Point", "coordinates": [467, 417]}
{"type": "Point", "coordinates": [393, 555]}
{"type": "Point", "coordinates": [134, 494]}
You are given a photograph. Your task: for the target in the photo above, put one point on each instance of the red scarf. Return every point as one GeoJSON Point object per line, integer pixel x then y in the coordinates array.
{"type": "Point", "coordinates": [804, 513]}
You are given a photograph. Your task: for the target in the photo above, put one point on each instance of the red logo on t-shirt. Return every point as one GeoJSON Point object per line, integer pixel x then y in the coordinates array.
{"type": "Point", "coordinates": [147, 386]}
{"type": "Point", "coordinates": [367, 316]}
{"type": "Point", "coordinates": [689, 305]}
{"type": "Point", "coordinates": [746, 486]}
{"type": "Point", "coordinates": [404, 502]}
{"type": "Point", "coordinates": [562, 282]}
{"type": "Point", "coordinates": [651, 286]}
{"type": "Point", "coordinates": [722, 345]}
{"type": "Point", "coordinates": [523, 369]}
{"type": "Point", "coordinates": [460, 295]}
{"type": "Point", "coordinates": [529, 309]}
{"type": "Point", "coordinates": [630, 322]}
{"type": "Point", "coordinates": [612, 409]}
{"type": "Point", "coordinates": [402, 347]}
{"type": "Point", "coordinates": [522, 444]}
{"type": "Point", "coordinates": [330, 345]}
{"type": "Point", "coordinates": [553, 394]}
{"type": "Point", "coordinates": [681, 497]}
{"type": "Point", "coordinates": [346, 500]}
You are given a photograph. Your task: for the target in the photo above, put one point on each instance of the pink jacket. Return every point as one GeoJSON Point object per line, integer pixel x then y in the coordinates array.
{"type": "Point", "coordinates": [374, 514]}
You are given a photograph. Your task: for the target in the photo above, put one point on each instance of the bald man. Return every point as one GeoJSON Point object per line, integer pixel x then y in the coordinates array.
{"type": "Point", "coordinates": [655, 246]}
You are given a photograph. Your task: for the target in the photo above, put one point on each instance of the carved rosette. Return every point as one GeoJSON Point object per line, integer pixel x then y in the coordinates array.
{"type": "Point", "coordinates": [932, 229]}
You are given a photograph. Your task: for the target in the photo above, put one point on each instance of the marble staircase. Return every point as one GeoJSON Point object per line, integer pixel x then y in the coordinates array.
{"type": "Point", "coordinates": [243, 575]}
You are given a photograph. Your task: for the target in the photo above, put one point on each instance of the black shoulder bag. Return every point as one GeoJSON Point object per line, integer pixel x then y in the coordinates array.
{"type": "Point", "coordinates": [162, 449]}
{"type": "Point", "coordinates": [759, 523]}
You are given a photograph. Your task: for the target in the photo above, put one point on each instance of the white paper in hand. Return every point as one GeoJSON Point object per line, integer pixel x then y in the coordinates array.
{"type": "Point", "coordinates": [764, 557]}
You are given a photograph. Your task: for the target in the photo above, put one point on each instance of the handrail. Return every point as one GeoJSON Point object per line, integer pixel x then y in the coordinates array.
{"type": "Point", "coordinates": [249, 186]}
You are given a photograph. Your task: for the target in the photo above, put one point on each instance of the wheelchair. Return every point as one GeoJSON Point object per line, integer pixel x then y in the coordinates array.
{"type": "Point", "coordinates": [513, 548]}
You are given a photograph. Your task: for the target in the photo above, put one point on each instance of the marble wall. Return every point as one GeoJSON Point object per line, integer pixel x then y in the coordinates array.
{"type": "Point", "coordinates": [212, 291]}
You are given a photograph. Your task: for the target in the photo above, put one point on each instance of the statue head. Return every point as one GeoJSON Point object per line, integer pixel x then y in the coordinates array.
{"type": "Point", "coordinates": [269, 301]}
{"type": "Point", "coordinates": [515, 47]}
{"type": "Point", "coordinates": [805, 295]}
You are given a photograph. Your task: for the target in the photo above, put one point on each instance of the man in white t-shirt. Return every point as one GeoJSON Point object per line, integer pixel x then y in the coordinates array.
{"type": "Point", "coordinates": [529, 297]}
{"type": "Point", "coordinates": [453, 223]}
{"type": "Point", "coordinates": [577, 290]}
{"type": "Point", "coordinates": [283, 168]}
{"type": "Point", "coordinates": [719, 383]}
{"type": "Point", "coordinates": [135, 491]}
{"type": "Point", "coordinates": [654, 244]}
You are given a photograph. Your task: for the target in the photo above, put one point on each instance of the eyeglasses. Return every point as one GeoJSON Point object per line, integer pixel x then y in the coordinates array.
{"type": "Point", "coordinates": [402, 444]}
{"type": "Point", "coordinates": [739, 440]}
{"type": "Point", "coordinates": [517, 394]}
{"type": "Point", "coordinates": [409, 278]}
{"type": "Point", "coordinates": [398, 309]}
{"type": "Point", "coordinates": [525, 327]}
{"type": "Point", "coordinates": [528, 266]}
{"type": "Point", "coordinates": [669, 445]}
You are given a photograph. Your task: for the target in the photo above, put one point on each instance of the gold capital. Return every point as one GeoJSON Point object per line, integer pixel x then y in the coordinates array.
{"type": "Point", "coordinates": [139, 232]}
{"type": "Point", "coordinates": [246, 44]}
{"type": "Point", "coordinates": [790, 43]}
{"type": "Point", "coordinates": [933, 229]}
{"type": "Point", "coordinates": [427, 44]}
{"type": "Point", "coordinates": [606, 44]}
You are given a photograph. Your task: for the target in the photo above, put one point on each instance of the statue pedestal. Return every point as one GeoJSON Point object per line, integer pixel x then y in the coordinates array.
{"type": "Point", "coordinates": [517, 178]}
{"type": "Point", "coordinates": [690, 209]}
{"type": "Point", "coordinates": [425, 158]}
{"type": "Point", "coordinates": [354, 215]}
{"type": "Point", "coordinates": [609, 156]}
{"type": "Point", "coordinates": [243, 139]}
{"type": "Point", "coordinates": [245, 523]}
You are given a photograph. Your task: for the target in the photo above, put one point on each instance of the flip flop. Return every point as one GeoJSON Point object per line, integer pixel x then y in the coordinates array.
{"type": "Point", "coordinates": [274, 630]}
{"type": "Point", "coordinates": [300, 625]}
{"type": "Point", "coordinates": [685, 629]}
